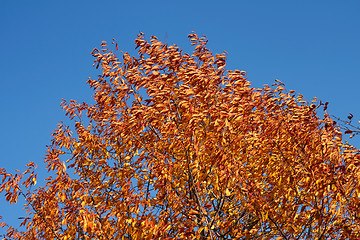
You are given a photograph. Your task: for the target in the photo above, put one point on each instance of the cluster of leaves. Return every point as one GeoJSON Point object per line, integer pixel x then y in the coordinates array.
{"type": "Point", "coordinates": [175, 147]}
{"type": "Point", "coordinates": [348, 126]}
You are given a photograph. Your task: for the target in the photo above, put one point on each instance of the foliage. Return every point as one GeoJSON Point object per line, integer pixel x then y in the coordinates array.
{"type": "Point", "coordinates": [175, 147]}
{"type": "Point", "coordinates": [348, 126]}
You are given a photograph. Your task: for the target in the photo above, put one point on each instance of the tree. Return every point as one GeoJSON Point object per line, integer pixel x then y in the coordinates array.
{"type": "Point", "coordinates": [174, 147]}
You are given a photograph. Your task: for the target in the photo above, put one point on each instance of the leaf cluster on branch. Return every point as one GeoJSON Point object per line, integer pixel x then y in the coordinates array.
{"type": "Point", "coordinates": [348, 126]}
{"type": "Point", "coordinates": [176, 147]}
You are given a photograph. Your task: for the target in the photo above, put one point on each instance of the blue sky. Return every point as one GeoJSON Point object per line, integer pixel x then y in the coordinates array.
{"type": "Point", "coordinates": [311, 46]}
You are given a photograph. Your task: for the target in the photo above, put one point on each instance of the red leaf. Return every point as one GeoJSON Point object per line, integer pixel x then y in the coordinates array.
{"type": "Point", "coordinates": [325, 107]}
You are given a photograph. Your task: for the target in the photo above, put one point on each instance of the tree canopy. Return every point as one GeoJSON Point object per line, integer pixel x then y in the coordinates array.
{"type": "Point", "coordinates": [177, 147]}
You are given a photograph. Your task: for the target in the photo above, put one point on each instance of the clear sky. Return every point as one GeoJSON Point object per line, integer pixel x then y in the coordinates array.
{"type": "Point", "coordinates": [311, 46]}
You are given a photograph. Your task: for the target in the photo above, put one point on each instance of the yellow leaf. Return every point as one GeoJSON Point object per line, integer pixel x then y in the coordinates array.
{"type": "Point", "coordinates": [227, 192]}
{"type": "Point", "coordinates": [34, 181]}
